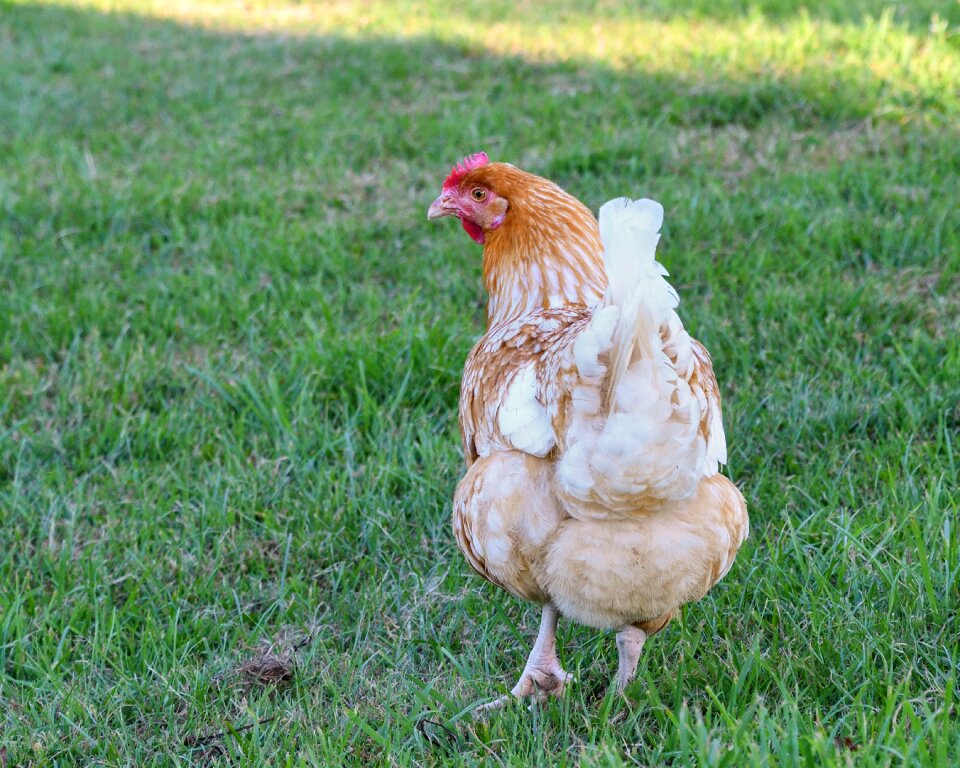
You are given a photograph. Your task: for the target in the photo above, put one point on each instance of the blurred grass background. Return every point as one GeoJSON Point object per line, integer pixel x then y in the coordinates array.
{"type": "Point", "coordinates": [230, 350]}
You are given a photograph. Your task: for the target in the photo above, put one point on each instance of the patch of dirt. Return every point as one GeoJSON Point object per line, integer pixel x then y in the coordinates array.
{"type": "Point", "coordinates": [267, 669]}
{"type": "Point", "coordinates": [274, 662]}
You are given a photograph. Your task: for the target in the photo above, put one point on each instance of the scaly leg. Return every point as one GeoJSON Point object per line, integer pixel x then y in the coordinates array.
{"type": "Point", "coordinates": [630, 642]}
{"type": "Point", "coordinates": [542, 675]}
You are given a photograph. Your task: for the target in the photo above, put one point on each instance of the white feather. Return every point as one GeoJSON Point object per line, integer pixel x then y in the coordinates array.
{"type": "Point", "coordinates": [522, 420]}
{"type": "Point", "coordinates": [595, 341]}
{"type": "Point", "coordinates": [645, 445]}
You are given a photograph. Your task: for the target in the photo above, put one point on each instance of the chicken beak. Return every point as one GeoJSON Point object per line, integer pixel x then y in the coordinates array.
{"type": "Point", "coordinates": [440, 207]}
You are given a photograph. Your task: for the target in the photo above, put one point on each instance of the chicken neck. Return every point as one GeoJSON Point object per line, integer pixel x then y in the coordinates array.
{"type": "Point", "coordinates": [543, 260]}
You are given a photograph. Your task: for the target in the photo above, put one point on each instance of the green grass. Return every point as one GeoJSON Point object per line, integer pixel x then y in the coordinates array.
{"type": "Point", "coordinates": [230, 349]}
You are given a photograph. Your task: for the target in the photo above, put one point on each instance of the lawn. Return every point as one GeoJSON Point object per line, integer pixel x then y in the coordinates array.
{"type": "Point", "coordinates": [230, 348]}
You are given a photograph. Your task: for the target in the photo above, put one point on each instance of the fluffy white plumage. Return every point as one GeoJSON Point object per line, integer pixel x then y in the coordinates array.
{"type": "Point", "coordinates": [595, 341]}
{"type": "Point", "coordinates": [634, 434]}
{"type": "Point", "coordinates": [523, 421]}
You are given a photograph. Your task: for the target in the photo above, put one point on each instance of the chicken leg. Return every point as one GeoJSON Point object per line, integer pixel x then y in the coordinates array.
{"type": "Point", "coordinates": [542, 675]}
{"type": "Point", "coordinates": [630, 642]}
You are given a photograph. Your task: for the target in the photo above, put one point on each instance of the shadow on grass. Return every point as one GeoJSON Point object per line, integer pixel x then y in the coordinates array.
{"type": "Point", "coordinates": [127, 84]}
{"type": "Point", "coordinates": [106, 117]}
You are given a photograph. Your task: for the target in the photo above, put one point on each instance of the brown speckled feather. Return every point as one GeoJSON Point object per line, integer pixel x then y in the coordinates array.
{"type": "Point", "coordinates": [542, 340]}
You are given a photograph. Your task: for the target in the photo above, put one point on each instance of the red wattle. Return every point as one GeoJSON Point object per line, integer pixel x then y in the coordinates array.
{"type": "Point", "coordinates": [474, 230]}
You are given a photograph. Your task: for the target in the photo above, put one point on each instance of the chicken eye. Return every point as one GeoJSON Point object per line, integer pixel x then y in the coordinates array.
{"type": "Point", "coordinates": [478, 193]}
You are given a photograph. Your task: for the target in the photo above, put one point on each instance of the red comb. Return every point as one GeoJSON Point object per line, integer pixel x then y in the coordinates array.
{"type": "Point", "coordinates": [464, 167]}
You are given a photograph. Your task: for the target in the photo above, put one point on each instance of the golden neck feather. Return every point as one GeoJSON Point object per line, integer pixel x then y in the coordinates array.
{"type": "Point", "coordinates": [547, 253]}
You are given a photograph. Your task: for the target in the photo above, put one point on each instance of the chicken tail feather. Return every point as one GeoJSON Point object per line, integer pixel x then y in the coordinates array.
{"type": "Point", "coordinates": [631, 230]}
{"type": "Point", "coordinates": [633, 440]}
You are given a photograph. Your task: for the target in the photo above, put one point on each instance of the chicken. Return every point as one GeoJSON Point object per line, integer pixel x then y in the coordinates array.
{"type": "Point", "coordinates": [591, 421]}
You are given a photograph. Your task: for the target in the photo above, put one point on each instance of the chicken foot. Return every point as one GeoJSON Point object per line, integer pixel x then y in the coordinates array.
{"type": "Point", "coordinates": [542, 675]}
{"type": "Point", "coordinates": [630, 642]}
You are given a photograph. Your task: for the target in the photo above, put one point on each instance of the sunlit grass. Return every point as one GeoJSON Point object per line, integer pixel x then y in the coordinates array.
{"type": "Point", "coordinates": [877, 57]}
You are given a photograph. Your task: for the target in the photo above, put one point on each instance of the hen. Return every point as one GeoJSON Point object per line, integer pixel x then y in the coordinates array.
{"type": "Point", "coordinates": [591, 420]}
